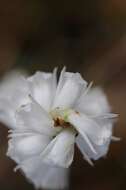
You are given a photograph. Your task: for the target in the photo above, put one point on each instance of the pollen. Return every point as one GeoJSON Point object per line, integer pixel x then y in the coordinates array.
{"type": "Point", "coordinates": [60, 122]}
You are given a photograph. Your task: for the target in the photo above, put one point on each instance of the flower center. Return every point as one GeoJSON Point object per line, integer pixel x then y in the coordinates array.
{"type": "Point", "coordinates": [60, 117]}
{"type": "Point", "coordinates": [60, 122]}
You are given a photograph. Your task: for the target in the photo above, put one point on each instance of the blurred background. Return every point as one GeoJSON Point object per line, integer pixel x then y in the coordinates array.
{"type": "Point", "coordinates": [88, 37]}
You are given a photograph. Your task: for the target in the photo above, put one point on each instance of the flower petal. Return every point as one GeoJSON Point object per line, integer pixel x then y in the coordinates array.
{"type": "Point", "coordinates": [13, 93]}
{"type": "Point", "coordinates": [7, 113]}
{"type": "Point", "coordinates": [32, 117]}
{"type": "Point", "coordinates": [43, 87]}
{"type": "Point", "coordinates": [26, 149]}
{"type": "Point", "coordinates": [69, 89]}
{"type": "Point", "coordinates": [93, 103]}
{"type": "Point", "coordinates": [61, 149]}
{"type": "Point", "coordinates": [92, 129]}
{"type": "Point", "coordinates": [45, 176]}
{"type": "Point", "coordinates": [101, 150]}
{"type": "Point", "coordinates": [94, 135]}
{"type": "Point", "coordinates": [23, 146]}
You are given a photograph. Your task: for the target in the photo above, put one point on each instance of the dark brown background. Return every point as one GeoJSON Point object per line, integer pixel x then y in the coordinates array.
{"type": "Point", "coordinates": [88, 37]}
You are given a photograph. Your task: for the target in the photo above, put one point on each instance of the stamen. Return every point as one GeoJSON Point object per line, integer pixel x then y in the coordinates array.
{"type": "Point", "coordinates": [60, 122]}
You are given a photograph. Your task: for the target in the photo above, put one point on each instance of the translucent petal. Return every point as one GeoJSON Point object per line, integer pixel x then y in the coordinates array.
{"type": "Point", "coordinates": [93, 129]}
{"type": "Point", "coordinates": [60, 151]}
{"type": "Point", "coordinates": [13, 93]}
{"type": "Point", "coordinates": [43, 87]}
{"type": "Point", "coordinates": [93, 103]}
{"type": "Point", "coordinates": [45, 176]}
{"type": "Point", "coordinates": [94, 135]}
{"type": "Point", "coordinates": [69, 89]}
{"type": "Point", "coordinates": [101, 150]}
{"type": "Point", "coordinates": [23, 146]}
{"type": "Point", "coordinates": [32, 117]}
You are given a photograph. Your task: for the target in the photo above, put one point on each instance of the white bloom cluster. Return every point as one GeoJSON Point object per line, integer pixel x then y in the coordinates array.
{"type": "Point", "coordinates": [47, 118]}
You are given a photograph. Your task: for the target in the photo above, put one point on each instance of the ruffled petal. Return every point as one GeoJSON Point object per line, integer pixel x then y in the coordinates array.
{"type": "Point", "coordinates": [95, 135]}
{"type": "Point", "coordinates": [25, 145]}
{"type": "Point", "coordinates": [45, 176]}
{"type": "Point", "coordinates": [32, 117]}
{"type": "Point", "coordinates": [60, 151]}
{"type": "Point", "coordinates": [13, 93]}
{"type": "Point", "coordinates": [94, 102]}
{"type": "Point", "coordinates": [43, 87]}
{"type": "Point", "coordinates": [88, 154]}
{"type": "Point", "coordinates": [69, 89]}
{"type": "Point", "coordinates": [93, 129]}
{"type": "Point", "coordinates": [25, 149]}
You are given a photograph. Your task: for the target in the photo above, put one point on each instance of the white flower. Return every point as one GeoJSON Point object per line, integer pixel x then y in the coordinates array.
{"type": "Point", "coordinates": [51, 118]}
{"type": "Point", "coordinates": [14, 93]}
